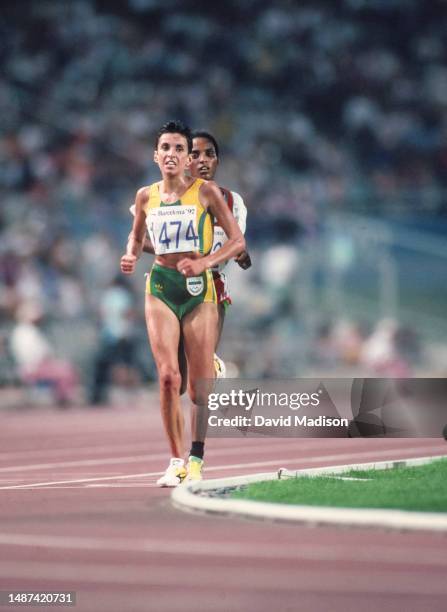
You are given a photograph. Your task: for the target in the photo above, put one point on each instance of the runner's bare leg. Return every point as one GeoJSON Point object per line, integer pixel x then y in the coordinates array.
{"type": "Point", "coordinates": [163, 329]}
{"type": "Point", "coordinates": [199, 332]}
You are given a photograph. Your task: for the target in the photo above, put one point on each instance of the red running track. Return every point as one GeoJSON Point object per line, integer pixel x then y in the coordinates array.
{"type": "Point", "coordinates": [79, 511]}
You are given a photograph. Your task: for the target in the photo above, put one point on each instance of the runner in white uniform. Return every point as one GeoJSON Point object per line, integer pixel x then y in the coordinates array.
{"type": "Point", "coordinates": [205, 159]}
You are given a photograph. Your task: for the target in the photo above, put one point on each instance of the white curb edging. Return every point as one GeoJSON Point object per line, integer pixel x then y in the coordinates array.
{"type": "Point", "coordinates": [185, 497]}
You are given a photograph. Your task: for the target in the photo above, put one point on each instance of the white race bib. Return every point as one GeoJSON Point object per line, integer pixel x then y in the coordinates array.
{"type": "Point", "coordinates": [219, 239]}
{"type": "Point", "coordinates": [173, 229]}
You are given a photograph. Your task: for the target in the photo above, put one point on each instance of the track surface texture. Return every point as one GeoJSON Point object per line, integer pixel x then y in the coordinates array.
{"type": "Point", "coordinates": [80, 511]}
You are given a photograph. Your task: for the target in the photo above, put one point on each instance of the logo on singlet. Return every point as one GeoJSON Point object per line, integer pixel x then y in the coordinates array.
{"type": "Point", "coordinates": [195, 285]}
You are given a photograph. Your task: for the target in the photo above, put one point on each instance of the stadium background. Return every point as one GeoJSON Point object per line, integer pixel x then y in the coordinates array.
{"type": "Point", "coordinates": [332, 120]}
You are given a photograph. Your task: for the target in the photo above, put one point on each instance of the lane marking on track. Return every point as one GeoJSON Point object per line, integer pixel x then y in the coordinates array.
{"type": "Point", "coordinates": [224, 548]}
{"type": "Point", "coordinates": [81, 449]}
{"type": "Point", "coordinates": [230, 443]}
{"type": "Point", "coordinates": [333, 580]}
{"type": "Point", "coordinates": [83, 463]}
{"type": "Point", "coordinates": [121, 485]}
{"type": "Point", "coordinates": [145, 457]}
{"type": "Point", "coordinates": [145, 484]}
{"type": "Point", "coordinates": [112, 460]}
{"type": "Point", "coordinates": [80, 480]}
{"type": "Point", "coordinates": [236, 466]}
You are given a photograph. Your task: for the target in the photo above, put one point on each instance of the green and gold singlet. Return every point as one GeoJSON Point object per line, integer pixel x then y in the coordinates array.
{"type": "Point", "coordinates": [182, 227]}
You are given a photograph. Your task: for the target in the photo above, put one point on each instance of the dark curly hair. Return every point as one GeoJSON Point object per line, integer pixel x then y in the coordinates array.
{"type": "Point", "coordinates": [175, 127]}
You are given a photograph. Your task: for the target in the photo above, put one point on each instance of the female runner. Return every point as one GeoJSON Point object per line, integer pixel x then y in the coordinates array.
{"type": "Point", "coordinates": [180, 293]}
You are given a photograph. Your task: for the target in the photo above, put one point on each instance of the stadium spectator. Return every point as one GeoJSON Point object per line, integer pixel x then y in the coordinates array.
{"type": "Point", "coordinates": [116, 358]}
{"type": "Point", "coordinates": [36, 361]}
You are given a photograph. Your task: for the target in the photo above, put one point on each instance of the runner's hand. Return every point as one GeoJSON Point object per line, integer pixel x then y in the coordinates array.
{"type": "Point", "coordinates": [191, 267]}
{"type": "Point", "coordinates": [128, 263]}
{"type": "Point", "coordinates": [243, 260]}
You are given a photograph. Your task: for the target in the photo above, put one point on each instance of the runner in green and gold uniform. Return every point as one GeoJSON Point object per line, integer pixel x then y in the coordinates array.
{"type": "Point", "coordinates": [180, 296]}
{"type": "Point", "coordinates": [179, 220]}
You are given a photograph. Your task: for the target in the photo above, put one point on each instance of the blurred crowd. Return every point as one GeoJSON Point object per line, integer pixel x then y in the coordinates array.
{"type": "Point", "coordinates": [318, 106]}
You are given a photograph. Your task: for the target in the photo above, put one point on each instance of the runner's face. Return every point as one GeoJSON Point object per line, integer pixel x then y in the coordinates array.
{"type": "Point", "coordinates": [203, 159]}
{"type": "Point", "coordinates": [172, 154]}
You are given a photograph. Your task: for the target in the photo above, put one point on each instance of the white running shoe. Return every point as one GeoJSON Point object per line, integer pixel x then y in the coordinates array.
{"type": "Point", "coordinates": [219, 367]}
{"type": "Point", "coordinates": [174, 475]}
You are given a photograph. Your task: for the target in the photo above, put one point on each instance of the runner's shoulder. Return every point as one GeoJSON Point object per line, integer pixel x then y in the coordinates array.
{"type": "Point", "coordinates": [143, 193]}
{"type": "Point", "coordinates": [208, 187]}
{"type": "Point", "coordinates": [232, 198]}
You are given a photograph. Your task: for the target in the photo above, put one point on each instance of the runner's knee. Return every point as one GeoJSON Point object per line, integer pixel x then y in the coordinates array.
{"type": "Point", "coordinates": [197, 394]}
{"type": "Point", "coordinates": [170, 379]}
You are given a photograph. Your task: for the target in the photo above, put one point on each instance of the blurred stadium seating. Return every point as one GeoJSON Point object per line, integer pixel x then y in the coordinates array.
{"type": "Point", "coordinates": [333, 123]}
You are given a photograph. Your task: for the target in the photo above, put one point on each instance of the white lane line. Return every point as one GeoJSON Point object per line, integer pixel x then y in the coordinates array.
{"type": "Point", "coordinates": [139, 447]}
{"type": "Point", "coordinates": [140, 485]}
{"type": "Point", "coordinates": [96, 450]}
{"type": "Point", "coordinates": [84, 462]}
{"type": "Point", "coordinates": [436, 557]}
{"type": "Point", "coordinates": [280, 462]}
{"type": "Point", "coordinates": [129, 459]}
{"type": "Point", "coordinates": [223, 576]}
{"type": "Point", "coordinates": [79, 480]}
{"type": "Point", "coordinates": [349, 478]}
{"type": "Point", "coordinates": [118, 485]}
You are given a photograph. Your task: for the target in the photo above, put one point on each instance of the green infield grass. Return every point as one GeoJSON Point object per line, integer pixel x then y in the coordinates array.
{"type": "Point", "coordinates": [422, 488]}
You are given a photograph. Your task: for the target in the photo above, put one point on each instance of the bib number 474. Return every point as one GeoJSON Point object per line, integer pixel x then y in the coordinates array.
{"type": "Point", "coordinates": [174, 234]}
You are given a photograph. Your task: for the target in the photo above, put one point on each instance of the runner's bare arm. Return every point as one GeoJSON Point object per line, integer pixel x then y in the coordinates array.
{"type": "Point", "coordinates": [217, 206]}
{"type": "Point", "coordinates": [147, 244]}
{"type": "Point", "coordinates": [212, 199]}
{"type": "Point", "coordinates": [135, 240]}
